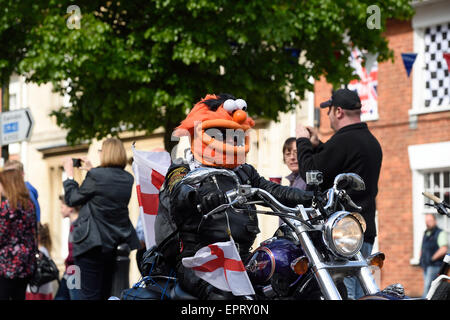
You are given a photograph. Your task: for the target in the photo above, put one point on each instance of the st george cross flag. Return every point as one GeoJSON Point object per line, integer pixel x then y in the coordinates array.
{"type": "Point", "coordinates": [220, 265]}
{"type": "Point", "coordinates": [149, 169]}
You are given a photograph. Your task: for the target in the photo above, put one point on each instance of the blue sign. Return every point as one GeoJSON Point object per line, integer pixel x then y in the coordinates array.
{"type": "Point", "coordinates": [11, 127]}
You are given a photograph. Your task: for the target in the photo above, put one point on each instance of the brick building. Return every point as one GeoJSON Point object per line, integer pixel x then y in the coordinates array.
{"type": "Point", "coordinates": [412, 124]}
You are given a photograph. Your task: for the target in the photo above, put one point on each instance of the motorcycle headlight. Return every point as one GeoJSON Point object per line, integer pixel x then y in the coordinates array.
{"type": "Point", "coordinates": [343, 234]}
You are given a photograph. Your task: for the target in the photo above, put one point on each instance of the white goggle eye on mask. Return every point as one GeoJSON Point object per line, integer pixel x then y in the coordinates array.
{"type": "Point", "coordinates": [230, 105]}
{"type": "Point", "coordinates": [241, 104]}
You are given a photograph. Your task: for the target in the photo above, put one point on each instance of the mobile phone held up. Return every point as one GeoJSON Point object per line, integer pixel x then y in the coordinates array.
{"type": "Point", "coordinates": [76, 163]}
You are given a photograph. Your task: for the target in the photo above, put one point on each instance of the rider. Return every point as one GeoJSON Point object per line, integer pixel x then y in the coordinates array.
{"type": "Point", "coordinates": [182, 205]}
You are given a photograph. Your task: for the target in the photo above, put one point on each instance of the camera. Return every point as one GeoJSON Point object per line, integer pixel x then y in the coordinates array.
{"type": "Point", "coordinates": [314, 177]}
{"type": "Point", "coordinates": [76, 163]}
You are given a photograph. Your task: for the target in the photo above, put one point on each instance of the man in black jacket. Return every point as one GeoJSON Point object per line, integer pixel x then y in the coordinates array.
{"type": "Point", "coordinates": [352, 148]}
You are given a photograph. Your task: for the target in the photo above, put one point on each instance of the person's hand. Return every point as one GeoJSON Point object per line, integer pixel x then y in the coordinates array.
{"type": "Point", "coordinates": [86, 164]}
{"type": "Point", "coordinates": [211, 200]}
{"type": "Point", "coordinates": [68, 166]}
{"type": "Point", "coordinates": [301, 131]}
{"type": "Point", "coordinates": [314, 136]}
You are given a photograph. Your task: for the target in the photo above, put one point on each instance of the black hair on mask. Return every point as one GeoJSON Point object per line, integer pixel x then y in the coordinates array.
{"type": "Point", "coordinates": [213, 104]}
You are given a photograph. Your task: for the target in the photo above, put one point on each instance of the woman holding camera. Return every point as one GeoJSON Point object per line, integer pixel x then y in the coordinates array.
{"type": "Point", "coordinates": [103, 222]}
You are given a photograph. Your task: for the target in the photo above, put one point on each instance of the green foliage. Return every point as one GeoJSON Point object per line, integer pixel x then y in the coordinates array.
{"type": "Point", "coordinates": [138, 65]}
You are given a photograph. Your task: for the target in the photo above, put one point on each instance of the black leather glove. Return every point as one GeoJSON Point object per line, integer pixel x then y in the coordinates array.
{"type": "Point", "coordinates": [211, 200]}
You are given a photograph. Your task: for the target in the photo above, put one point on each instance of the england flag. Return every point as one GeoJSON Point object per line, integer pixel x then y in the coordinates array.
{"type": "Point", "coordinates": [220, 265]}
{"type": "Point", "coordinates": [150, 168]}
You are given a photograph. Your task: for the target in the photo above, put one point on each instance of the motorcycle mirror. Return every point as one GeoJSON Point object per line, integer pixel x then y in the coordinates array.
{"type": "Point", "coordinates": [349, 181]}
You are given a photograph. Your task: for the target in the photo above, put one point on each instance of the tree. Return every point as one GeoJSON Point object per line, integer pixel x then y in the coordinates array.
{"type": "Point", "coordinates": [139, 65]}
{"type": "Point", "coordinates": [17, 18]}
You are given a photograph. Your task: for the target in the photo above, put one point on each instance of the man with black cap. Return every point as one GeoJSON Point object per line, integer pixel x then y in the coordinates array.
{"type": "Point", "coordinates": [352, 148]}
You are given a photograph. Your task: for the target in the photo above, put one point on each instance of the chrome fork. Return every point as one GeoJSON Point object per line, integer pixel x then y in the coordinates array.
{"type": "Point", "coordinates": [322, 269]}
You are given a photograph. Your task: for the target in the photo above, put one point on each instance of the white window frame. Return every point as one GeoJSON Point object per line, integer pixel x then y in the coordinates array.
{"type": "Point", "coordinates": [428, 13]}
{"type": "Point", "coordinates": [422, 159]}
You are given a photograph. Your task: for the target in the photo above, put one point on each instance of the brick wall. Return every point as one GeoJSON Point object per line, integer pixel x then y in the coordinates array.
{"type": "Point", "coordinates": [394, 201]}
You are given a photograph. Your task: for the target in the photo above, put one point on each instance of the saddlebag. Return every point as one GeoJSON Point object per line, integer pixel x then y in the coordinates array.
{"type": "Point", "coordinates": [157, 282]}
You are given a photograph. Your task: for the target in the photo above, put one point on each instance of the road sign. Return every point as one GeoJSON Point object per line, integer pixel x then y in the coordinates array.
{"type": "Point", "coordinates": [16, 126]}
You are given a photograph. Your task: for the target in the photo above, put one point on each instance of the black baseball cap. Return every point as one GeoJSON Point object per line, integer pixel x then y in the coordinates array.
{"type": "Point", "coordinates": [344, 98]}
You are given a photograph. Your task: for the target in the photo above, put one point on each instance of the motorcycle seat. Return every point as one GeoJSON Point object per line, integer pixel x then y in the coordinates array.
{"type": "Point", "coordinates": [176, 293]}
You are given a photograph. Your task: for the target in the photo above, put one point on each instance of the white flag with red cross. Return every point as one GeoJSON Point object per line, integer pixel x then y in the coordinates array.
{"type": "Point", "coordinates": [150, 168]}
{"type": "Point", "coordinates": [220, 265]}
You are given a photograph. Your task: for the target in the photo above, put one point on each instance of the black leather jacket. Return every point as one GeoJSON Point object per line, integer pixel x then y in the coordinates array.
{"type": "Point", "coordinates": [103, 219]}
{"type": "Point", "coordinates": [181, 199]}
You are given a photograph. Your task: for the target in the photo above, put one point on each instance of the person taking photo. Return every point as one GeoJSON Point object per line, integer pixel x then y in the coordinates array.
{"type": "Point", "coordinates": [103, 221]}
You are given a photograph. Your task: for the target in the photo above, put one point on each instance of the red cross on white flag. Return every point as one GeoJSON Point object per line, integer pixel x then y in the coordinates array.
{"type": "Point", "coordinates": [150, 168]}
{"type": "Point", "coordinates": [220, 265]}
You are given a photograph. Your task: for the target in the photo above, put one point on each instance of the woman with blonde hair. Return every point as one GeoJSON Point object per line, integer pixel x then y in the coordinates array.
{"type": "Point", "coordinates": [17, 236]}
{"type": "Point", "coordinates": [103, 222]}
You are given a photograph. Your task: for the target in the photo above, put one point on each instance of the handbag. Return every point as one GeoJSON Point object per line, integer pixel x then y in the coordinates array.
{"type": "Point", "coordinates": [45, 269]}
{"type": "Point", "coordinates": [44, 272]}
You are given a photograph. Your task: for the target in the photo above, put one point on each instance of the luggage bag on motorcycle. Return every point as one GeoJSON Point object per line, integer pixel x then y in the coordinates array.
{"type": "Point", "coordinates": [147, 289]}
{"type": "Point", "coordinates": [156, 283]}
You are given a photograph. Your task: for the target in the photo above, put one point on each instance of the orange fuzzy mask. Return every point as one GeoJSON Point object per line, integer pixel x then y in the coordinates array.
{"type": "Point", "coordinates": [218, 128]}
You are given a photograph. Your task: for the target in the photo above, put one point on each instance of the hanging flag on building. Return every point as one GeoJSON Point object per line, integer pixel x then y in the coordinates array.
{"type": "Point", "coordinates": [435, 72]}
{"type": "Point", "coordinates": [408, 61]}
{"type": "Point", "coordinates": [150, 168]}
{"type": "Point", "coordinates": [366, 86]}
{"type": "Point", "coordinates": [220, 265]}
{"type": "Point", "coordinates": [370, 59]}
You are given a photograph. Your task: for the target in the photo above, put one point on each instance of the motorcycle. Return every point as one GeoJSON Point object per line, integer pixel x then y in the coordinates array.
{"type": "Point", "coordinates": [309, 255]}
{"type": "Point", "coordinates": [440, 287]}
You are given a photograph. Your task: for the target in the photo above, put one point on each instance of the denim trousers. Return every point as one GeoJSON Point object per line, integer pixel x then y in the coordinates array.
{"type": "Point", "coordinates": [354, 289]}
{"type": "Point", "coordinates": [64, 293]}
{"type": "Point", "coordinates": [429, 274]}
{"type": "Point", "coordinates": [96, 274]}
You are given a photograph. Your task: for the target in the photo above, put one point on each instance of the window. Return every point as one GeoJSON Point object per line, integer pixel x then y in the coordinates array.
{"type": "Point", "coordinates": [437, 81]}
{"type": "Point", "coordinates": [437, 183]}
{"type": "Point", "coordinates": [431, 80]}
{"type": "Point", "coordinates": [430, 166]}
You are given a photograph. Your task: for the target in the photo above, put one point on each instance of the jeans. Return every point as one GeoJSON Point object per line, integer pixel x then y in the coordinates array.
{"type": "Point", "coordinates": [429, 274]}
{"type": "Point", "coordinates": [354, 289]}
{"type": "Point", "coordinates": [64, 293]}
{"type": "Point", "coordinates": [96, 274]}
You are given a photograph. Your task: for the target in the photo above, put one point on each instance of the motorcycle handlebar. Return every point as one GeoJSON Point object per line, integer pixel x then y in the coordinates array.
{"type": "Point", "coordinates": [440, 206]}
{"type": "Point", "coordinates": [432, 197]}
{"type": "Point", "coordinates": [242, 195]}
